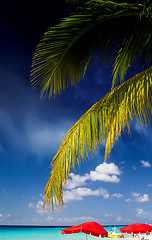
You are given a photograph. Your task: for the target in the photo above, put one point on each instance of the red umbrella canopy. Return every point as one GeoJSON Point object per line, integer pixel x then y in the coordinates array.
{"type": "Point", "coordinates": [92, 228]}
{"type": "Point", "coordinates": [136, 228]}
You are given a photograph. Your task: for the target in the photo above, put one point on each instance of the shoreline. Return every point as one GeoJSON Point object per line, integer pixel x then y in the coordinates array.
{"type": "Point", "coordinates": [48, 226]}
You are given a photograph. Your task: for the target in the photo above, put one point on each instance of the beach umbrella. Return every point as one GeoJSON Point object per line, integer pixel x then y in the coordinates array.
{"type": "Point", "coordinates": [136, 228]}
{"type": "Point", "coordinates": [92, 228]}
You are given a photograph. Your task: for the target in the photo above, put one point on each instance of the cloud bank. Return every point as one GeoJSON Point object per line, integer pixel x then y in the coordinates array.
{"type": "Point", "coordinates": [74, 190]}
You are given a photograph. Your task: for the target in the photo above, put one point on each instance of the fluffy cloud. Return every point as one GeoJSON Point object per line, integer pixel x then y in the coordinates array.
{"type": "Point", "coordinates": [144, 198]}
{"type": "Point", "coordinates": [79, 193]}
{"type": "Point", "coordinates": [76, 181]}
{"type": "Point", "coordinates": [141, 213]}
{"type": "Point", "coordinates": [103, 172]}
{"type": "Point", "coordinates": [37, 207]}
{"type": "Point", "coordinates": [117, 195]}
{"type": "Point", "coordinates": [137, 197]}
{"type": "Point", "coordinates": [74, 190]}
{"type": "Point", "coordinates": [106, 172]}
{"type": "Point", "coordinates": [145, 163]}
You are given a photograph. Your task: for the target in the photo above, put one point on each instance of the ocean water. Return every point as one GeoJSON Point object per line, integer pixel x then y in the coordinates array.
{"type": "Point", "coordinates": [44, 233]}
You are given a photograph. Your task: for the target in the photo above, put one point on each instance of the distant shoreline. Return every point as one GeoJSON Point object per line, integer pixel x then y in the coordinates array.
{"type": "Point", "coordinates": [37, 226]}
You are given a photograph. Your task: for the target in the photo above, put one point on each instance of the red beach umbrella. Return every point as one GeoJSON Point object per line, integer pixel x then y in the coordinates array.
{"type": "Point", "coordinates": [92, 228]}
{"type": "Point", "coordinates": [136, 228]}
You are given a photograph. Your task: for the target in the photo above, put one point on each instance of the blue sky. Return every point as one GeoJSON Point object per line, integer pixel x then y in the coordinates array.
{"type": "Point", "coordinates": [118, 191]}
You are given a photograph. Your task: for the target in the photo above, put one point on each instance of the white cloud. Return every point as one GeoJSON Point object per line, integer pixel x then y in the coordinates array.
{"type": "Point", "coordinates": [76, 180]}
{"type": "Point", "coordinates": [117, 195]}
{"type": "Point", "coordinates": [149, 185]}
{"type": "Point", "coordinates": [145, 163]}
{"type": "Point", "coordinates": [103, 172]}
{"type": "Point", "coordinates": [128, 200]}
{"type": "Point", "coordinates": [106, 172]}
{"type": "Point", "coordinates": [38, 206]}
{"type": "Point", "coordinates": [104, 193]}
{"type": "Point", "coordinates": [144, 198]}
{"type": "Point", "coordinates": [141, 213]}
{"type": "Point", "coordinates": [34, 136]}
{"type": "Point", "coordinates": [74, 190]}
{"type": "Point", "coordinates": [41, 139]}
{"type": "Point", "coordinates": [103, 177]}
{"type": "Point", "coordinates": [4, 217]}
{"type": "Point", "coordinates": [79, 193]}
{"type": "Point", "coordinates": [137, 197]}
{"type": "Point", "coordinates": [106, 168]}
{"type": "Point", "coordinates": [71, 196]}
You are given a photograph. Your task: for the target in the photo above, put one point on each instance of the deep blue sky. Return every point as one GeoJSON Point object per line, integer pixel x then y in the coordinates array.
{"type": "Point", "coordinates": [116, 192]}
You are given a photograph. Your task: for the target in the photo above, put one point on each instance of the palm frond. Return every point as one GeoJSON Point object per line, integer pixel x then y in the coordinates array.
{"type": "Point", "coordinates": [104, 121]}
{"type": "Point", "coordinates": [67, 50]}
{"type": "Point", "coordinates": [136, 48]}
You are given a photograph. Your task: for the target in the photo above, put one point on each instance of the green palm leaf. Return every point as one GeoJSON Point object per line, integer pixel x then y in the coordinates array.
{"type": "Point", "coordinates": [67, 50]}
{"type": "Point", "coordinates": [136, 48]}
{"type": "Point", "coordinates": [104, 121]}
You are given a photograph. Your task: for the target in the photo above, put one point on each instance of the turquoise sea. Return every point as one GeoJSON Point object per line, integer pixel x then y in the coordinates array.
{"type": "Point", "coordinates": [43, 233]}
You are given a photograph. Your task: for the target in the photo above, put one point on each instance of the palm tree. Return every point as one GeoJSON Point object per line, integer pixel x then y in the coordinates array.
{"type": "Point", "coordinates": [111, 32]}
